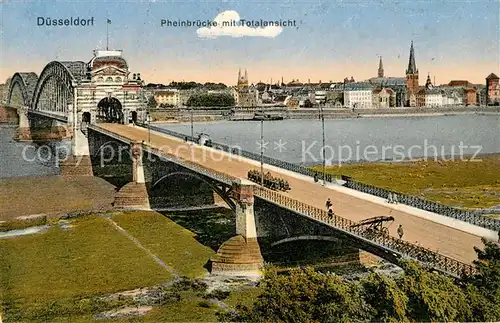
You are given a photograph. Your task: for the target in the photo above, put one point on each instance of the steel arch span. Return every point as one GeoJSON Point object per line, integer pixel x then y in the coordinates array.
{"type": "Point", "coordinates": [21, 88]}
{"type": "Point", "coordinates": [54, 90]}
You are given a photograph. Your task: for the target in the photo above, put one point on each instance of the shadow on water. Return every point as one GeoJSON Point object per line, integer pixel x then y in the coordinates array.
{"type": "Point", "coordinates": [212, 227]}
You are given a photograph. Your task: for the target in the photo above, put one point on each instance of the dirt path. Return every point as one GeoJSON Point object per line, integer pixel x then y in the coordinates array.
{"type": "Point", "coordinates": [138, 244]}
{"type": "Point", "coordinates": [50, 194]}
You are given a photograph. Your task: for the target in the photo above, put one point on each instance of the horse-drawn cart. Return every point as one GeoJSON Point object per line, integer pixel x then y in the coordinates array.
{"type": "Point", "coordinates": [378, 224]}
{"type": "Point", "coordinates": [270, 181]}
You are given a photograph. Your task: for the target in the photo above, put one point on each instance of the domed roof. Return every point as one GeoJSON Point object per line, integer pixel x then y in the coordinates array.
{"type": "Point", "coordinates": [102, 61]}
{"type": "Point", "coordinates": [108, 58]}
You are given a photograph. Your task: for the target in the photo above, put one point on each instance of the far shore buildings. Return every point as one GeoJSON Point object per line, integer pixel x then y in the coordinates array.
{"type": "Point", "coordinates": [245, 95]}
{"type": "Point", "coordinates": [492, 90]}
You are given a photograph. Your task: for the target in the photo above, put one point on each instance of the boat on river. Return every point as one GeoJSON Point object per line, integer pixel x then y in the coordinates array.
{"type": "Point", "coordinates": [260, 116]}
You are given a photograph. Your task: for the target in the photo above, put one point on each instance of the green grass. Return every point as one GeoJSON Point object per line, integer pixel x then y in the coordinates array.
{"type": "Point", "coordinates": [184, 311]}
{"type": "Point", "coordinates": [468, 184]}
{"type": "Point", "coordinates": [170, 242]}
{"type": "Point", "coordinates": [46, 274]}
{"type": "Point", "coordinates": [59, 276]}
{"type": "Point", "coordinates": [246, 297]}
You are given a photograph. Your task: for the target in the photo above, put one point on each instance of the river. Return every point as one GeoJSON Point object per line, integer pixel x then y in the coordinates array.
{"type": "Point", "coordinates": [301, 140]}
{"type": "Point", "coordinates": [354, 140]}
{"type": "Point", "coordinates": [25, 158]}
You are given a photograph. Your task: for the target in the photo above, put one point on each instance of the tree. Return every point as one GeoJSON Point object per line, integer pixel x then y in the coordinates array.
{"type": "Point", "coordinates": [211, 100]}
{"type": "Point", "coordinates": [432, 297]}
{"type": "Point", "coordinates": [304, 296]}
{"type": "Point", "coordinates": [483, 287]}
{"type": "Point", "coordinates": [152, 104]}
{"type": "Point", "coordinates": [388, 301]}
{"type": "Point", "coordinates": [417, 295]}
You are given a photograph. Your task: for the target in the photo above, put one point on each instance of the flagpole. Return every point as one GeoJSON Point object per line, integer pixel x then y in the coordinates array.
{"type": "Point", "coordinates": [107, 34]}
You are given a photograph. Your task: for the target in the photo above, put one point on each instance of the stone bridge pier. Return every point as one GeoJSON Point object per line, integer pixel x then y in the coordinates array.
{"type": "Point", "coordinates": [241, 255]}
{"type": "Point", "coordinates": [23, 131]}
{"type": "Point", "coordinates": [134, 195]}
{"type": "Point", "coordinates": [78, 163]}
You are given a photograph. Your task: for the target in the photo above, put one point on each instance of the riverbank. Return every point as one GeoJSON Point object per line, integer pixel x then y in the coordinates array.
{"type": "Point", "coordinates": [204, 115]}
{"type": "Point", "coordinates": [471, 184]}
{"type": "Point", "coordinates": [53, 194]}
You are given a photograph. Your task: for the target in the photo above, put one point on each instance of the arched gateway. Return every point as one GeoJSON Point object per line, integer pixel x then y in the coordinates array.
{"type": "Point", "coordinates": [109, 109]}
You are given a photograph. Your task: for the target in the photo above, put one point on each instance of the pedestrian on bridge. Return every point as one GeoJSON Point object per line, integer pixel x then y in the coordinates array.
{"type": "Point", "coordinates": [389, 198]}
{"type": "Point", "coordinates": [330, 213]}
{"type": "Point", "coordinates": [316, 179]}
{"type": "Point", "coordinates": [395, 198]}
{"type": "Point", "coordinates": [400, 231]}
{"type": "Point", "coordinates": [328, 204]}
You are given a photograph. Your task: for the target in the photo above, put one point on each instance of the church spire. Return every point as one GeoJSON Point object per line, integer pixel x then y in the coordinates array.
{"type": "Point", "coordinates": [428, 83]}
{"type": "Point", "coordinates": [412, 67]}
{"type": "Point", "coordinates": [380, 68]}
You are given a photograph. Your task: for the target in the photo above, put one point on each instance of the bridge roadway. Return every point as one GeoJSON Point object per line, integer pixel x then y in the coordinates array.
{"type": "Point", "coordinates": [443, 239]}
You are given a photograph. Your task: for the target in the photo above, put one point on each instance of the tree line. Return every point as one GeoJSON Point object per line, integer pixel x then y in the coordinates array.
{"type": "Point", "coordinates": [417, 295]}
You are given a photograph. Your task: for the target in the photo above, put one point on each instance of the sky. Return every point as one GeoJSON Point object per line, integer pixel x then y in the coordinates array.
{"type": "Point", "coordinates": [330, 40]}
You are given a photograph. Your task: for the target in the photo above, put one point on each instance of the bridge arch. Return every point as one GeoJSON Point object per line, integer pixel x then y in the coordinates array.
{"type": "Point", "coordinates": [305, 237]}
{"type": "Point", "coordinates": [109, 109]}
{"type": "Point", "coordinates": [116, 150]}
{"type": "Point", "coordinates": [54, 90]}
{"type": "Point", "coordinates": [24, 84]}
{"type": "Point", "coordinates": [216, 189]}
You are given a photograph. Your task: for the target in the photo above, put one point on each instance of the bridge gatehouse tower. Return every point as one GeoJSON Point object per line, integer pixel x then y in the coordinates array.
{"type": "Point", "coordinates": [68, 95]}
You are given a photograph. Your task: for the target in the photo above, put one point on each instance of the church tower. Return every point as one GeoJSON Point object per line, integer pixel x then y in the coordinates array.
{"type": "Point", "coordinates": [380, 68]}
{"type": "Point", "coordinates": [428, 83]}
{"type": "Point", "coordinates": [242, 79]}
{"type": "Point", "coordinates": [412, 77]}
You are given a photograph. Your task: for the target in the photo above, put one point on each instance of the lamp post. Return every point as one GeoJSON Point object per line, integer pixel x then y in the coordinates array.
{"type": "Point", "coordinates": [192, 128]}
{"type": "Point", "coordinates": [323, 148]}
{"type": "Point", "coordinates": [148, 120]}
{"type": "Point", "coordinates": [262, 152]}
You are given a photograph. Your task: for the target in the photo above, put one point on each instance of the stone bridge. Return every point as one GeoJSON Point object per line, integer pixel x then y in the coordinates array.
{"type": "Point", "coordinates": [154, 176]}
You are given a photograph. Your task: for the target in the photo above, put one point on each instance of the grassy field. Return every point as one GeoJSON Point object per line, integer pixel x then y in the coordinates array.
{"type": "Point", "coordinates": [50, 273]}
{"type": "Point", "coordinates": [175, 245]}
{"type": "Point", "coordinates": [467, 184]}
{"type": "Point", "coordinates": [61, 275]}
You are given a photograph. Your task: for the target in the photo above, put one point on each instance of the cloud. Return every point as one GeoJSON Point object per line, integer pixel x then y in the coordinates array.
{"type": "Point", "coordinates": [236, 29]}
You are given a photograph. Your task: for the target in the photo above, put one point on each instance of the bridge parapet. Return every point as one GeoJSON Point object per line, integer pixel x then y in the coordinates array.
{"type": "Point", "coordinates": [392, 247]}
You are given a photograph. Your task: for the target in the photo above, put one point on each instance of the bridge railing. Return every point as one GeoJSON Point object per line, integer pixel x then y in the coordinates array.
{"type": "Point", "coordinates": [459, 214]}
{"type": "Point", "coordinates": [248, 154]}
{"type": "Point", "coordinates": [406, 249]}
{"type": "Point", "coordinates": [219, 176]}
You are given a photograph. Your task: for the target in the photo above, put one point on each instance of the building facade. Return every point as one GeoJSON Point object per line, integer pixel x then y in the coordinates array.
{"type": "Point", "coordinates": [245, 95]}
{"type": "Point", "coordinates": [170, 97]}
{"type": "Point", "coordinates": [492, 90]}
{"type": "Point", "coordinates": [383, 98]}
{"type": "Point", "coordinates": [106, 86]}
{"type": "Point", "coordinates": [358, 95]}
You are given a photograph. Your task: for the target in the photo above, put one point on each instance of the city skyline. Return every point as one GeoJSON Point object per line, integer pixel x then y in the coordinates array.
{"type": "Point", "coordinates": [329, 42]}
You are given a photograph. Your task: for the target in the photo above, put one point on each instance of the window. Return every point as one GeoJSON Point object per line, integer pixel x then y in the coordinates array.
{"type": "Point", "coordinates": [109, 79]}
{"type": "Point", "coordinates": [100, 79]}
{"type": "Point", "coordinates": [118, 79]}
